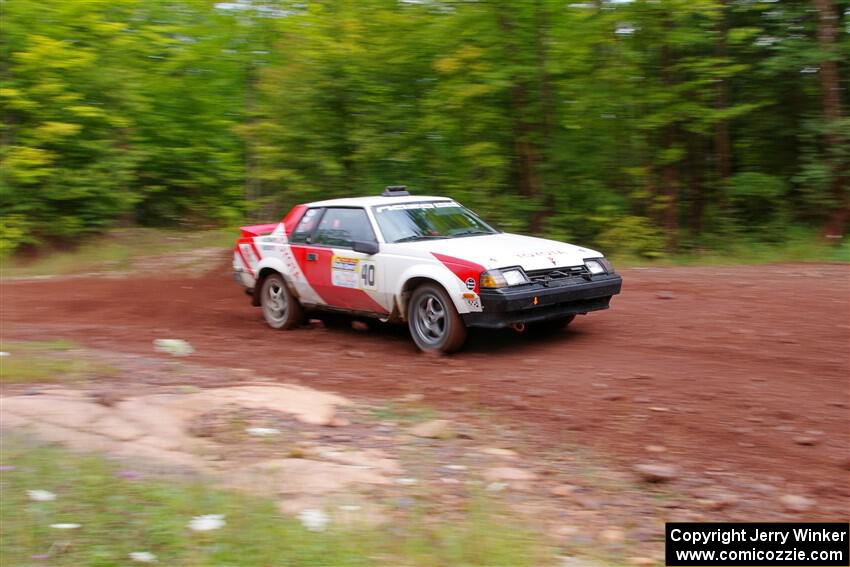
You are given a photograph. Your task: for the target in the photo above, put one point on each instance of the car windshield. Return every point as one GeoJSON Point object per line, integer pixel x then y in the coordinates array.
{"type": "Point", "coordinates": [407, 222]}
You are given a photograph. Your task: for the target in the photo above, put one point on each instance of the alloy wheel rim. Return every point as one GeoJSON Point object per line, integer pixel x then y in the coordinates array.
{"type": "Point", "coordinates": [275, 303]}
{"type": "Point", "coordinates": [430, 319]}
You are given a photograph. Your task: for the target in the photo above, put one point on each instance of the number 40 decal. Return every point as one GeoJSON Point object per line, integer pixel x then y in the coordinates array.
{"type": "Point", "coordinates": [367, 275]}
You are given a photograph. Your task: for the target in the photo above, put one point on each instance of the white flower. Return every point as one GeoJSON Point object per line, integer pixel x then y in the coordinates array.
{"type": "Point", "coordinates": [65, 526]}
{"type": "Point", "coordinates": [143, 556]}
{"type": "Point", "coordinates": [206, 523]}
{"type": "Point", "coordinates": [314, 520]}
{"type": "Point", "coordinates": [41, 495]}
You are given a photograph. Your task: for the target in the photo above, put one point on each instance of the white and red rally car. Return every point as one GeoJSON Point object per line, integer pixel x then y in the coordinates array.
{"type": "Point", "coordinates": [424, 260]}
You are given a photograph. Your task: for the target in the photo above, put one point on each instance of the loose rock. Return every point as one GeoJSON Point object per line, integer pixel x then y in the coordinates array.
{"type": "Point", "coordinates": [508, 474]}
{"type": "Point", "coordinates": [174, 347]}
{"type": "Point", "coordinates": [338, 421]}
{"type": "Point", "coordinates": [796, 503]}
{"type": "Point", "coordinates": [613, 536]}
{"type": "Point", "coordinates": [434, 429]}
{"type": "Point", "coordinates": [498, 452]}
{"type": "Point", "coordinates": [563, 490]}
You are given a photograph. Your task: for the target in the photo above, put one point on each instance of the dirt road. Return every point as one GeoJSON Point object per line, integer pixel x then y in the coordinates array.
{"type": "Point", "coordinates": [736, 371]}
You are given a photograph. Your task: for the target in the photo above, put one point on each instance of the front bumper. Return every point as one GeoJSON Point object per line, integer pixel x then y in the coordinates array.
{"type": "Point", "coordinates": [532, 303]}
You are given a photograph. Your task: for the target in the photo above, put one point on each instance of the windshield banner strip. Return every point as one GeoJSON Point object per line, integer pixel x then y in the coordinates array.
{"type": "Point", "coordinates": [421, 205]}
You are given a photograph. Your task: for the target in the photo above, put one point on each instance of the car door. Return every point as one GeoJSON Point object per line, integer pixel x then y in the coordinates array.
{"type": "Point", "coordinates": [342, 277]}
{"type": "Point", "coordinates": [301, 249]}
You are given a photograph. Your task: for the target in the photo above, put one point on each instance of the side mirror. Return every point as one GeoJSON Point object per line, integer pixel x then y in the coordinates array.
{"type": "Point", "coordinates": [365, 246]}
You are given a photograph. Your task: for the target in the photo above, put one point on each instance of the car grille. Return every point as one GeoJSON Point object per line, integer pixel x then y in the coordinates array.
{"type": "Point", "coordinates": [556, 274]}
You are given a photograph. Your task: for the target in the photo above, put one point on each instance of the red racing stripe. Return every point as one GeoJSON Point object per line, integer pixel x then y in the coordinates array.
{"type": "Point", "coordinates": [292, 218]}
{"type": "Point", "coordinates": [463, 269]}
{"type": "Point", "coordinates": [318, 274]}
{"type": "Point", "coordinates": [256, 250]}
{"type": "Point", "coordinates": [238, 250]}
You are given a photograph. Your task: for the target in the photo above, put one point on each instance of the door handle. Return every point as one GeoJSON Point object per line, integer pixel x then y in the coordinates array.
{"type": "Point", "coordinates": [312, 256]}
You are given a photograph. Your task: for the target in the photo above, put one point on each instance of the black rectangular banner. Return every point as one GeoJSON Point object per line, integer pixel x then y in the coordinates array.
{"type": "Point", "coordinates": [692, 544]}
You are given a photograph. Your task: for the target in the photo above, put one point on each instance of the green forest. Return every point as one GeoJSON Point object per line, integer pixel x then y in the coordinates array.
{"type": "Point", "coordinates": [647, 126]}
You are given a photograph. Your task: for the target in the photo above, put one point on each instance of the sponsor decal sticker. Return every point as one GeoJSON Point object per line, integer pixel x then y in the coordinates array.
{"type": "Point", "coordinates": [470, 283]}
{"type": "Point", "coordinates": [344, 271]}
{"type": "Point", "coordinates": [352, 273]}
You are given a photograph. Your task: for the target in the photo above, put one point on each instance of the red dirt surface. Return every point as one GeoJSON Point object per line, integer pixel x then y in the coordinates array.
{"type": "Point", "coordinates": [737, 371]}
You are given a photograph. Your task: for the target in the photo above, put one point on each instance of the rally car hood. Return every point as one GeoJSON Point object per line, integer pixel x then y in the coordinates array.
{"type": "Point", "coordinates": [504, 250]}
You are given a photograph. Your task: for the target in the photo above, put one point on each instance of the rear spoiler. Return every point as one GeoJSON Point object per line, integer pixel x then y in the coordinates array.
{"type": "Point", "coordinates": [258, 229]}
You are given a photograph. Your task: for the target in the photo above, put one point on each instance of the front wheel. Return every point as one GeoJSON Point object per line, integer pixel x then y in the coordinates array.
{"type": "Point", "coordinates": [281, 309]}
{"type": "Point", "coordinates": [435, 324]}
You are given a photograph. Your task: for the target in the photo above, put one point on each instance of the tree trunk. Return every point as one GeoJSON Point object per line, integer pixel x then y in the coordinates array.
{"type": "Point", "coordinates": [696, 190]}
{"type": "Point", "coordinates": [669, 175]}
{"type": "Point", "coordinates": [831, 100]}
{"type": "Point", "coordinates": [526, 152]}
{"type": "Point", "coordinates": [722, 139]}
{"type": "Point", "coordinates": [547, 111]}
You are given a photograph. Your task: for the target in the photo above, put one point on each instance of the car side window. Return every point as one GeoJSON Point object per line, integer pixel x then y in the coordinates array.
{"type": "Point", "coordinates": [305, 227]}
{"type": "Point", "coordinates": [341, 227]}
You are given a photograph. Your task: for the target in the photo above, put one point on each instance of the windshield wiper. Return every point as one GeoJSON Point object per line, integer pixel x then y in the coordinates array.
{"type": "Point", "coordinates": [415, 237]}
{"type": "Point", "coordinates": [471, 232]}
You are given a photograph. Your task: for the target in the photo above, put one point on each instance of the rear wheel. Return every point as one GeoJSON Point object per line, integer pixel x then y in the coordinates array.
{"type": "Point", "coordinates": [435, 324]}
{"type": "Point", "coordinates": [280, 308]}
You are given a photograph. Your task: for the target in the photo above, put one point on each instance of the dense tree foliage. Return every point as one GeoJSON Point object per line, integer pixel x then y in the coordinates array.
{"type": "Point", "coordinates": [642, 126]}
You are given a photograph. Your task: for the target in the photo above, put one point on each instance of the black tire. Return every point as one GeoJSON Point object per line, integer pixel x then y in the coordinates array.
{"type": "Point", "coordinates": [281, 309]}
{"type": "Point", "coordinates": [552, 326]}
{"type": "Point", "coordinates": [434, 323]}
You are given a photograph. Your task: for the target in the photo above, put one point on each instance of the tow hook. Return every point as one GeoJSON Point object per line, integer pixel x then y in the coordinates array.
{"type": "Point", "coordinates": [518, 327]}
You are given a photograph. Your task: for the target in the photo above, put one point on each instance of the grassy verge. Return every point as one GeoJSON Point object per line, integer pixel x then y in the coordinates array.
{"type": "Point", "coordinates": [119, 250]}
{"type": "Point", "coordinates": [800, 248]}
{"type": "Point", "coordinates": [118, 516]}
{"type": "Point", "coordinates": [126, 249]}
{"type": "Point", "coordinates": [47, 361]}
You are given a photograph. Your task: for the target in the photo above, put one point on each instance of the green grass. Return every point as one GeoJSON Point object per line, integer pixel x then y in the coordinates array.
{"type": "Point", "coordinates": [46, 362]}
{"type": "Point", "coordinates": [119, 516]}
{"type": "Point", "coordinates": [803, 247]}
{"type": "Point", "coordinates": [406, 413]}
{"type": "Point", "coordinates": [118, 250]}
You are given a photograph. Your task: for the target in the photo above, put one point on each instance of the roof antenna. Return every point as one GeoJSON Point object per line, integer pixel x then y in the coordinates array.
{"type": "Point", "coordinates": [395, 191]}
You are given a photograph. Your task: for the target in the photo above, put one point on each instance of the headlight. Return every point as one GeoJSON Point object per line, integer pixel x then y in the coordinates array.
{"type": "Point", "coordinates": [596, 266]}
{"type": "Point", "coordinates": [495, 279]}
{"type": "Point", "coordinates": [514, 277]}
